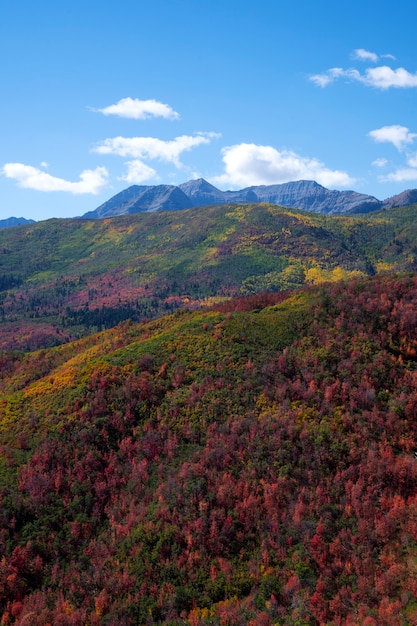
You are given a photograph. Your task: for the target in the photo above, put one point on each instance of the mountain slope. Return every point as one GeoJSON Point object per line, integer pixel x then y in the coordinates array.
{"type": "Point", "coordinates": [251, 465]}
{"type": "Point", "coordinates": [304, 194]}
{"type": "Point", "coordinates": [401, 199]}
{"type": "Point", "coordinates": [202, 193]}
{"type": "Point", "coordinates": [14, 221]}
{"type": "Point", "coordinates": [137, 199]}
{"type": "Point", "coordinates": [61, 279]}
{"type": "Point", "coordinates": [310, 196]}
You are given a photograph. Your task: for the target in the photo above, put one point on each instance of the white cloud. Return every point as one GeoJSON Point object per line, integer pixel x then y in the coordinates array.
{"type": "Point", "coordinates": [322, 80]}
{"type": "Point", "coordinates": [154, 148]}
{"type": "Point", "coordinates": [385, 77]}
{"type": "Point", "coordinates": [379, 162]}
{"type": "Point", "coordinates": [138, 172]}
{"type": "Point", "coordinates": [135, 109]}
{"type": "Point", "coordinates": [412, 160]}
{"type": "Point", "coordinates": [398, 135]}
{"type": "Point", "coordinates": [365, 55]}
{"type": "Point", "coordinates": [401, 175]}
{"type": "Point", "coordinates": [91, 181]}
{"type": "Point", "coordinates": [381, 77]}
{"type": "Point", "coordinates": [250, 164]}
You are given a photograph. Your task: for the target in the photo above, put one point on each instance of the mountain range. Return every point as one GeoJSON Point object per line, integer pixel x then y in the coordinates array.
{"type": "Point", "coordinates": [304, 194]}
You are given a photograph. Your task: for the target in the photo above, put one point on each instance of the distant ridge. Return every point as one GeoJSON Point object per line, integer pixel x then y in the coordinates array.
{"type": "Point", "coordinates": [139, 199]}
{"type": "Point", "coordinates": [306, 195]}
{"type": "Point", "coordinates": [303, 194]}
{"type": "Point", "coordinates": [402, 199]}
{"type": "Point", "coordinates": [14, 221]}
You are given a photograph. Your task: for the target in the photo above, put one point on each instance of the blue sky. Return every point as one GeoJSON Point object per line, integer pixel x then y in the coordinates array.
{"type": "Point", "coordinates": [98, 96]}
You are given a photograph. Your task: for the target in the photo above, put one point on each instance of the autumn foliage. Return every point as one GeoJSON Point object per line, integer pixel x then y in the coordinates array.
{"type": "Point", "coordinates": [255, 465]}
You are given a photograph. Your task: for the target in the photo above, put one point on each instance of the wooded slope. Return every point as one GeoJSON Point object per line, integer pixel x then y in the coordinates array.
{"type": "Point", "coordinates": [250, 464]}
{"type": "Point", "coordinates": [63, 279]}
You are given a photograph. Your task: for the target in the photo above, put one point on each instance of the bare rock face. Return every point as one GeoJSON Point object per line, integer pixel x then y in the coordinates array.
{"type": "Point", "coordinates": [310, 196]}
{"type": "Point", "coordinates": [143, 199]}
{"type": "Point", "coordinates": [161, 198]}
{"type": "Point", "coordinates": [202, 193]}
{"type": "Point", "coordinates": [303, 194]}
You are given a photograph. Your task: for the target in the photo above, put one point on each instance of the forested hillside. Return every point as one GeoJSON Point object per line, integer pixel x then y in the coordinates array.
{"type": "Point", "coordinates": [63, 279]}
{"type": "Point", "coordinates": [252, 463]}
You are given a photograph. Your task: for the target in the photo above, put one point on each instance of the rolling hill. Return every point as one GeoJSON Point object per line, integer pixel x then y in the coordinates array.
{"type": "Point", "coordinates": [61, 279]}
{"type": "Point", "coordinates": [254, 463]}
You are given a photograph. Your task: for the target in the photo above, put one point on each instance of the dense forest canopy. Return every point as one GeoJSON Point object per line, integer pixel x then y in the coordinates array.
{"type": "Point", "coordinates": [251, 463]}
{"type": "Point", "coordinates": [63, 279]}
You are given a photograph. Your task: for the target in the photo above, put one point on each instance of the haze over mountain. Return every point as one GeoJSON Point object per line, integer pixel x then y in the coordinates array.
{"type": "Point", "coordinates": [304, 194]}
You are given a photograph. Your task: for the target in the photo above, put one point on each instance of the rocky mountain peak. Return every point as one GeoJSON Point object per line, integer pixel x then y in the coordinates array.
{"type": "Point", "coordinates": [307, 195]}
